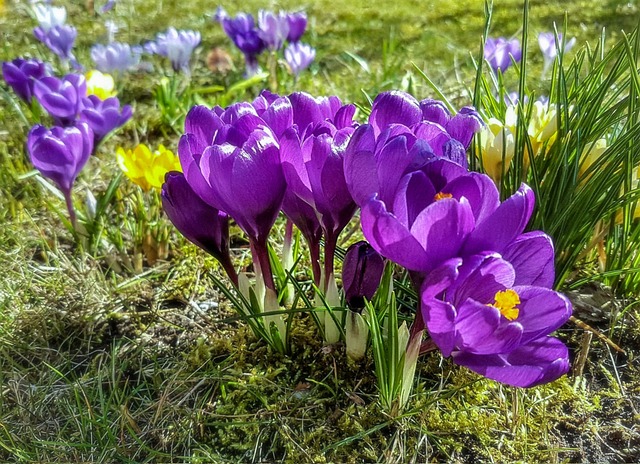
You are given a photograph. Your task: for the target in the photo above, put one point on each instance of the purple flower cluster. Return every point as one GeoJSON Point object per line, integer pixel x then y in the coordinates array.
{"type": "Point", "coordinates": [252, 160]}
{"type": "Point", "coordinates": [66, 101]}
{"type": "Point", "coordinates": [53, 32]}
{"type": "Point", "coordinates": [80, 121]}
{"type": "Point", "coordinates": [270, 32]}
{"type": "Point", "coordinates": [484, 284]}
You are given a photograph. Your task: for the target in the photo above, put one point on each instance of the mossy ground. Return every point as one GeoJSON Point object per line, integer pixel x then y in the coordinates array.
{"type": "Point", "coordinates": [104, 366]}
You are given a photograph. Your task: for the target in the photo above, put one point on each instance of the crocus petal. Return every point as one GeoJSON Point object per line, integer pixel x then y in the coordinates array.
{"type": "Point", "coordinates": [434, 134]}
{"type": "Point", "coordinates": [344, 116]}
{"type": "Point", "coordinates": [438, 280]}
{"type": "Point", "coordinates": [391, 238]}
{"type": "Point", "coordinates": [392, 161]}
{"type": "Point", "coordinates": [441, 229]}
{"type": "Point", "coordinates": [414, 194]}
{"type": "Point", "coordinates": [540, 361]}
{"type": "Point", "coordinates": [532, 257]}
{"type": "Point", "coordinates": [202, 122]}
{"type": "Point", "coordinates": [442, 171]}
{"type": "Point", "coordinates": [435, 111]}
{"type": "Point", "coordinates": [480, 279]}
{"type": "Point", "coordinates": [464, 125]}
{"type": "Point", "coordinates": [479, 190]}
{"type": "Point", "coordinates": [279, 116]}
{"type": "Point", "coordinates": [479, 330]}
{"type": "Point", "coordinates": [542, 311]}
{"type": "Point", "coordinates": [303, 216]}
{"type": "Point", "coordinates": [201, 224]}
{"type": "Point", "coordinates": [306, 109]}
{"type": "Point", "coordinates": [360, 168]}
{"type": "Point", "coordinates": [439, 317]}
{"type": "Point", "coordinates": [190, 149]}
{"type": "Point", "coordinates": [394, 107]}
{"type": "Point", "coordinates": [505, 224]}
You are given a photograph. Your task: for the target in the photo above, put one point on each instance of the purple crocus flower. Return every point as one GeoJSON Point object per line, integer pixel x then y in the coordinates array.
{"type": "Point", "coordinates": [60, 154]}
{"type": "Point", "coordinates": [20, 75]}
{"type": "Point", "coordinates": [242, 31]}
{"type": "Point", "coordinates": [231, 159]}
{"type": "Point", "coordinates": [401, 138]}
{"type": "Point", "coordinates": [59, 39]}
{"type": "Point", "coordinates": [429, 121]}
{"type": "Point", "coordinates": [115, 56]}
{"type": "Point", "coordinates": [273, 28]}
{"type": "Point", "coordinates": [493, 313]}
{"type": "Point", "coordinates": [362, 271]}
{"type": "Point", "coordinates": [297, 25]}
{"type": "Point", "coordinates": [460, 127]}
{"type": "Point", "coordinates": [200, 223]}
{"type": "Point", "coordinates": [312, 160]}
{"type": "Point", "coordinates": [61, 98]}
{"type": "Point", "coordinates": [499, 51]}
{"type": "Point", "coordinates": [441, 211]}
{"type": "Point", "coordinates": [103, 116]}
{"type": "Point", "coordinates": [549, 47]}
{"type": "Point", "coordinates": [175, 45]}
{"type": "Point", "coordinates": [299, 56]}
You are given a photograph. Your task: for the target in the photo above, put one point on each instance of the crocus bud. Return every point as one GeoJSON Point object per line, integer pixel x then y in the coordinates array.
{"type": "Point", "coordinates": [361, 273]}
{"type": "Point", "coordinates": [200, 223]}
{"type": "Point", "coordinates": [297, 25]}
{"type": "Point", "coordinates": [299, 56]}
{"type": "Point", "coordinates": [60, 153]}
{"type": "Point", "coordinates": [61, 98]}
{"type": "Point", "coordinates": [20, 75]}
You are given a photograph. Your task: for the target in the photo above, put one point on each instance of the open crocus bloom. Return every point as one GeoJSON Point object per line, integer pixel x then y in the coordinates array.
{"type": "Point", "coordinates": [440, 211]}
{"type": "Point", "coordinates": [493, 313]}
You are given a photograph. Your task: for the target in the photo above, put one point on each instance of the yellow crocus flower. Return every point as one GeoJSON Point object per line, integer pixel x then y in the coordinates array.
{"type": "Point", "coordinates": [590, 154]}
{"type": "Point", "coordinates": [145, 168]}
{"type": "Point", "coordinates": [163, 161]}
{"type": "Point", "coordinates": [100, 84]}
{"type": "Point", "coordinates": [497, 145]}
{"type": "Point", "coordinates": [542, 127]}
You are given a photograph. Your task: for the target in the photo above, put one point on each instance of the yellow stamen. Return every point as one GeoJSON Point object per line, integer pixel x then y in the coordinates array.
{"type": "Point", "coordinates": [442, 195]}
{"type": "Point", "coordinates": [506, 302]}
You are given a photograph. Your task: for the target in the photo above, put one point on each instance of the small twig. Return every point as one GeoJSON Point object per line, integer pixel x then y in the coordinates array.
{"type": "Point", "coordinates": [581, 360]}
{"type": "Point", "coordinates": [584, 326]}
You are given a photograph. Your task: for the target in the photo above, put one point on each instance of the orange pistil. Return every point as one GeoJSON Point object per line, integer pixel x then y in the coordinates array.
{"type": "Point", "coordinates": [441, 195]}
